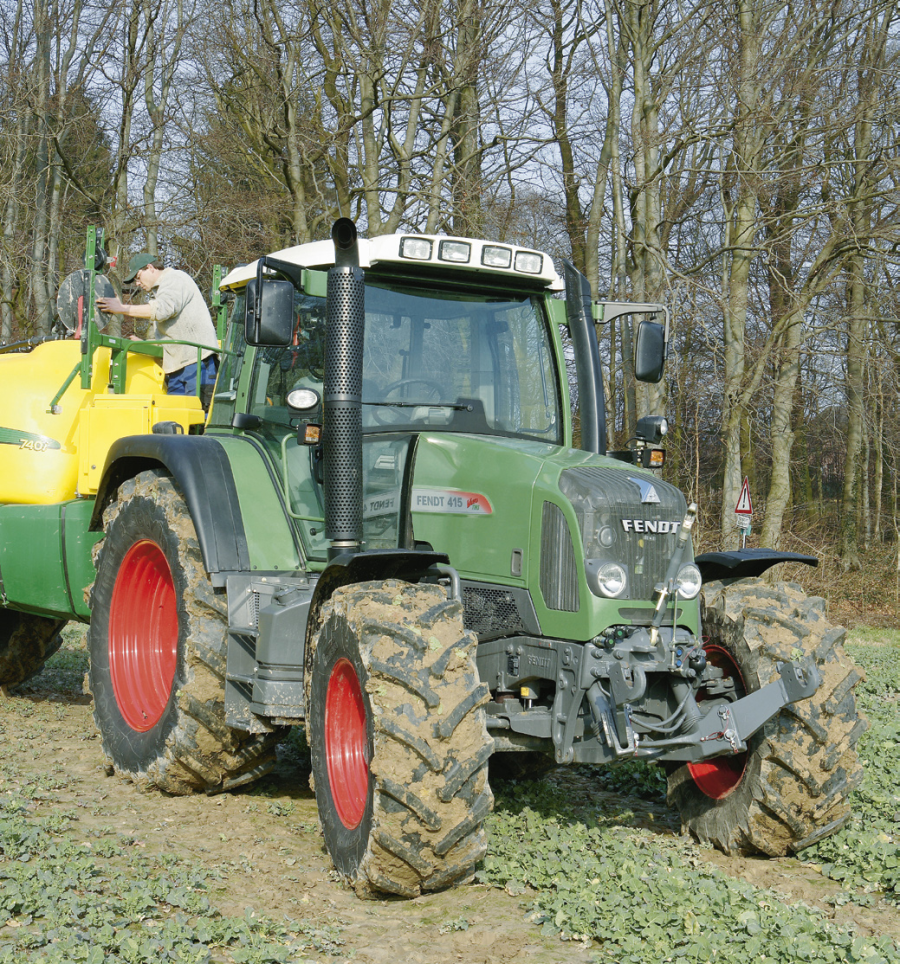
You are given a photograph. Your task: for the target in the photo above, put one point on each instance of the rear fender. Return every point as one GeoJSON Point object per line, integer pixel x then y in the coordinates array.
{"type": "Point", "coordinates": [200, 468]}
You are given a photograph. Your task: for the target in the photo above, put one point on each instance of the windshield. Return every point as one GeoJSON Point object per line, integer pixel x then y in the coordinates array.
{"type": "Point", "coordinates": [432, 360]}
{"type": "Point", "coordinates": [465, 363]}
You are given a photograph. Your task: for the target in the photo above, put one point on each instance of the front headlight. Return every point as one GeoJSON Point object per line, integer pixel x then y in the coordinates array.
{"type": "Point", "coordinates": [688, 581]}
{"type": "Point", "coordinates": [606, 578]}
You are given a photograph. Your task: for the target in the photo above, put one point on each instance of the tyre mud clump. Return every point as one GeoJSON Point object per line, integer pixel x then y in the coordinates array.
{"type": "Point", "coordinates": [801, 766]}
{"type": "Point", "coordinates": [426, 792]}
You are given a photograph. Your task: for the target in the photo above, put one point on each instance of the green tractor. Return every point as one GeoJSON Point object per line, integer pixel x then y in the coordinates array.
{"type": "Point", "coordinates": [384, 534]}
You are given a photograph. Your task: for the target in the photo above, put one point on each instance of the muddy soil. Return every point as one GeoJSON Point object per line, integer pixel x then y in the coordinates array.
{"type": "Point", "coordinates": [266, 844]}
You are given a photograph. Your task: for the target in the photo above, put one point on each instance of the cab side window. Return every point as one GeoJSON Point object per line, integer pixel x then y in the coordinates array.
{"type": "Point", "coordinates": [229, 367]}
{"type": "Point", "coordinates": [281, 370]}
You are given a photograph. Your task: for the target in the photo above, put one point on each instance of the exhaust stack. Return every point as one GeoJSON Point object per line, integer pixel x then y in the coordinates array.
{"type": "Point", "coordinates": [342, 393]}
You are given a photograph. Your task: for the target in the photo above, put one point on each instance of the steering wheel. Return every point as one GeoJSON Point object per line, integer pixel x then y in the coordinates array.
{"type": "Point", "coordinates": [392, 418]}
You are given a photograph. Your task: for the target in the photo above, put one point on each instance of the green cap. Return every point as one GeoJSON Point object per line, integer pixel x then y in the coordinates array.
{"type": "Point", "coordinates": [137, 262]}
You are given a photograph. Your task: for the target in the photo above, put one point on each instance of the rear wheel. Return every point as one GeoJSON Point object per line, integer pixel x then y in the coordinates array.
{"type": "Point", "coordinates": [157, 644]}
{"type": "Point", "coordinates": [791, 787]}
{"type": "Point", "coordinates": [398, 739]}
{"type": "Point", "coordinates": [26, 643]}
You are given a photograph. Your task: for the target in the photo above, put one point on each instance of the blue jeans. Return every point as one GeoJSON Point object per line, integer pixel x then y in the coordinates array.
{"type": "Point", "coordinates": [184, 381]}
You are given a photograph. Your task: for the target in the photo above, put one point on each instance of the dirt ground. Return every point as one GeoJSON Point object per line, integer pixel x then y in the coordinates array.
{"type": "Point", "coordinates": [266, 843]}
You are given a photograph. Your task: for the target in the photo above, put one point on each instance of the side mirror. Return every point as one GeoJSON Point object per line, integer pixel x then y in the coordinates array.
{"type": "Point", "coordinates": [270, 313]}
{"type": "Point", "coordinates": [650, 351]}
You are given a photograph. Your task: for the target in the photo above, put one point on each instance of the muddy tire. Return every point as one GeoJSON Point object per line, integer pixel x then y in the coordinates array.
{"type": "Point", "coordinates": [790, 788]}
{"type": "Point", "coordinates": [157, 651]}
{"type": "Point", "coordinates": [26, 643]}
{"type": "Point", "coordinates": [397, 734]}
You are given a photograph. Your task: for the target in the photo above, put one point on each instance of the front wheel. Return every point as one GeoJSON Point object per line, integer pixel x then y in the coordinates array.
{"type": "Point", "coordinates": [398, 739]}
{"type": "Point", "coordinates": [791, 787]}
{"type": "Point", "coordinates": [157, 645]}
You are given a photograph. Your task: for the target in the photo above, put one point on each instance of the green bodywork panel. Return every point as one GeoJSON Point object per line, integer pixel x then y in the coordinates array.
{"type": "Point", "coordinates": [45, 557]}
{"type": "Point", "coordinates": [479, 537]}
{"type": "Point", "coordinates": [556, 308]}
{"type": "Point", "coordinates": [269, 540]}
{"type": "Point", "coordinates": [511, 480]}
{"type": "Point", "coordinates": [596, 613]}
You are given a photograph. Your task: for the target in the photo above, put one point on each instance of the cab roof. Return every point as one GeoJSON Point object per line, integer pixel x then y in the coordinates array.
{"type": "Point", "coordinates": [446, 252]}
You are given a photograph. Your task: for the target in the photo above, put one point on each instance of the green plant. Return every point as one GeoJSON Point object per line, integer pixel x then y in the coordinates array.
{"type": "Point", "coordinates": [641, 897]}
{"type": "Point", "coordinates": [67, 900]}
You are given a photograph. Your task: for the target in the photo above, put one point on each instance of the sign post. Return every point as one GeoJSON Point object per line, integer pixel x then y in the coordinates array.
{"type": "Point", "coordinates": [744, 511]}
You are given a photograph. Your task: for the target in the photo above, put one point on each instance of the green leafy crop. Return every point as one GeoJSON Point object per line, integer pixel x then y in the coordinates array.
{"type": "Point", "coordinates": [62, 900]}
{"type": "Point", "coordinates": [644, 898]}
{"type": "Point", "coordinates": [580, 862]}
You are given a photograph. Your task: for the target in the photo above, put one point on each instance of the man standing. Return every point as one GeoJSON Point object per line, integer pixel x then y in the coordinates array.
{"type": "Point", "coordinates": [179, 312]}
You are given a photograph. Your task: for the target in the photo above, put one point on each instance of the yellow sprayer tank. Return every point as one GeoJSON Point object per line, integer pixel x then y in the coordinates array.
{"type": "Point", "coordinates": [47, 458]}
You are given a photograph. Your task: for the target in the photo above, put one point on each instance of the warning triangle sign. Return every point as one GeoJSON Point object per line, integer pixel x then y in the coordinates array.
{"type": "Point", "coordinates": [744, 507]}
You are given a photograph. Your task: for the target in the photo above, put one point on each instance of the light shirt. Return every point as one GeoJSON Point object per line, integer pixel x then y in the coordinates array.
{"type": "Point", "coordinates": [178, 311]}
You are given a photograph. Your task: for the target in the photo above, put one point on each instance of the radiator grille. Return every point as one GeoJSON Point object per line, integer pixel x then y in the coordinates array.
{"type": "Point", "coordinates": [605, 498]}
{"type": "Point", "coordinates": [559, 574]}
{"type": "Point", "coordinates": [491, 612]}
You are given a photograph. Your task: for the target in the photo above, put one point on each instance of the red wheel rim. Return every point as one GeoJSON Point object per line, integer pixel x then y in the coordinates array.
{"type": "Point", "coordinates": [722, 775]}
{"type": "Point", "coordinates": [346, 744]}
{"type": "Point", "coordinates": [143, 635]}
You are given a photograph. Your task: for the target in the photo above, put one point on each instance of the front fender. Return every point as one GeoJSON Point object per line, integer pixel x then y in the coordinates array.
{"type": "Point", "coordinates": [375, 564]}
{"type": "Point", "coordinates": [745, 563]}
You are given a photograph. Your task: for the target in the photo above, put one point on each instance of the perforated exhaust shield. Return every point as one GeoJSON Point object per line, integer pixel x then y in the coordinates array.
{"type": "Point", "coordinates": [342, 403]}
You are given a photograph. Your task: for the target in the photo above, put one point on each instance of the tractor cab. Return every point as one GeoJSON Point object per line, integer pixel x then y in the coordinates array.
{"type": "Point", "coordinates": [459, 349]}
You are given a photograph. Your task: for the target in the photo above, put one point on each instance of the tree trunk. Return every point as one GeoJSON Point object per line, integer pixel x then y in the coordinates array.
{"type": "Point", "coordinates": [879, 454]}
{"type": "Point", "coordinates": [779, 496]}
{"type": "Point", "coordinates": [466, 184]}
{"type": "Point", "coordinates": [39, 267]}
{"type": "Point", "coordinates": [647, 254]}
{"type": "Point", "coordinates": [856, 329]}
{"type": "Point", "coordinates": [11, 253]}
{"type": "Point", "coordinates": [741, 227]}
{"type": "Point", "coordinates": [860, 221]}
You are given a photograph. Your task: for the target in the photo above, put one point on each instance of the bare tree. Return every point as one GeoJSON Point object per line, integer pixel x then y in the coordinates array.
{"type": "Point", "coordinates": [16, 124]}
{"type": "Point", "coordinates": [863, 188]}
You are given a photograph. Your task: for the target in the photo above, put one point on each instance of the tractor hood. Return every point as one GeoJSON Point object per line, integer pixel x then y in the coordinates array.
{"type": "Point", "coordinates": [471, 498]}
{"type": "Point", "coordinates": [541, 517]}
